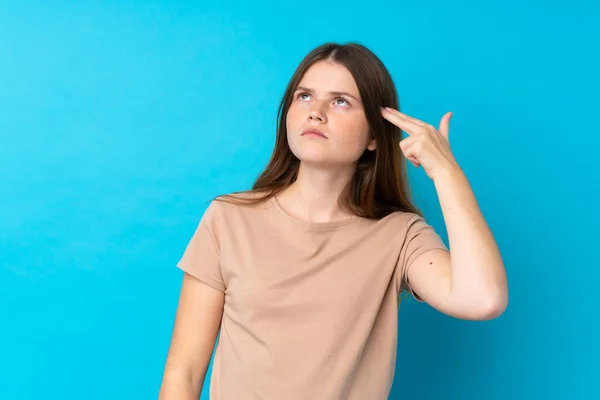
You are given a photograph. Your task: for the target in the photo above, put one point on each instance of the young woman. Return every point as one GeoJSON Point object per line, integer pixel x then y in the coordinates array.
{"type": "Point", "coordinates": [303, 274]}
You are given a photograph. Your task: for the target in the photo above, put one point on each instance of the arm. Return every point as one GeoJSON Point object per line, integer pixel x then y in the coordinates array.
{"type": "Point", "coordinates": [470, 281]}
{"type": "Point", "coordinates": [195, 331]}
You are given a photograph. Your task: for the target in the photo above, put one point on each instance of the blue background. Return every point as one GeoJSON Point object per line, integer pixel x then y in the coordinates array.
{"type": "Point", "coordinates": [120, 119]}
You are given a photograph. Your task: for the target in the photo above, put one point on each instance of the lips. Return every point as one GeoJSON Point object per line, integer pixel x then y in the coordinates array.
{"type": "Point", "coordinates": [313, 132]}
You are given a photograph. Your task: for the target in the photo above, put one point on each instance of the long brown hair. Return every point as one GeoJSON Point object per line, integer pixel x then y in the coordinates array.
{"type": "Point", "coordinates": [379, 185]}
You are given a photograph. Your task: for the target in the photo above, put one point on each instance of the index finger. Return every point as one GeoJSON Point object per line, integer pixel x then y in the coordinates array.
{"type": "Point", "coordinates": [401, 122]}
{"type": "Point", "coordinates": [408, 117]}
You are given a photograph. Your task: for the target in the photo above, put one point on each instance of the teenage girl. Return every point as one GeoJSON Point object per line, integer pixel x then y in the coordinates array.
{"type": "Point", "coordinates": [302, 275]}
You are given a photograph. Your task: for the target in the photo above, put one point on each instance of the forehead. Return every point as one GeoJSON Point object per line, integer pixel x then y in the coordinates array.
{"type": "Point", "coordinates": [328, 76]}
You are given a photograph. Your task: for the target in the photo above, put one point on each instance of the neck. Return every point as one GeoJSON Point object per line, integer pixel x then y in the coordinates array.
{"type": "Point", "coordinates": [315, 193]}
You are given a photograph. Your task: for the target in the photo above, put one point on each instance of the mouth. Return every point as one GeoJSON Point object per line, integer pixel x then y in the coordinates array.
{"type": "Point", "coordinates": [313, 132]}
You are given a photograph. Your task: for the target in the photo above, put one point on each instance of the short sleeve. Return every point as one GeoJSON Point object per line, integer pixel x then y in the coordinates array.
{"type": "Point", "coordinates": [201, 256]}
{"type": "Point", "coordinates": [419, 239]}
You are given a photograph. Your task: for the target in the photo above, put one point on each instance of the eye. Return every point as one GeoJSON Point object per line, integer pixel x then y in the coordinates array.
{"type": "Point", "coordinates": [302, 94]}
{"type": "Point", "coordinates": [345, 103]}
{"type": "Point", "coordinates": [342, 99]}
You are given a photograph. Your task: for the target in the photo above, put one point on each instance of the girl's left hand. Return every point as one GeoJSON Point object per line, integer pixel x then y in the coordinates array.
{"type": "Point", "coordinates": [424, 145]}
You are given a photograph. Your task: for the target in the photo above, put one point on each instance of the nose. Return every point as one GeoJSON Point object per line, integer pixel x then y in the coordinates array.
{"type": "Point", "coordinates": [316, 114]}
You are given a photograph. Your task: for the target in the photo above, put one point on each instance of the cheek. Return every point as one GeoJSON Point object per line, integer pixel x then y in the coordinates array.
{"type": "Point", "coordinates": [291, 119]}
{"type": "Point", "coordinates": [357, 132]}
{"type": "Point", "coordinates": [291, 124]}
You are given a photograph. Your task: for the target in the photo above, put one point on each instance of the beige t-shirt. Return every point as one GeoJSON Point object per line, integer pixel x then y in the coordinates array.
{"type": "Point", "coordinates": [311, 309]}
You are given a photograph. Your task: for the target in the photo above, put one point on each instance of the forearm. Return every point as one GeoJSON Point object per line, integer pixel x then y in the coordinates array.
{"type": "Point", "coordinates": [180, 385]}
{"type": "Point", "coordinates": [477, 269]}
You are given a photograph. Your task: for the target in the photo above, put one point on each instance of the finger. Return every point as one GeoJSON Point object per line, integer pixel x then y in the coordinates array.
{"type": "Point", "coordinates": [402, 123]}
{"type": "Point", "coordinates": [406, 143]}
{"type": "Point", "coordinates": [414, 162]}
{"type": "Point", "coordinates": [407, 148]}
{"type": "Point", "coordinates": [444, 128]}
{"type": "Point", "coordinates": [401, 114]}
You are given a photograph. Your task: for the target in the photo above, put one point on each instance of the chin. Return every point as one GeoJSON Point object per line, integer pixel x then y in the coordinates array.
{"type": "Point", "coordinates": [314, 159]}
{"type": "Point", "coordinates": [320, 162]}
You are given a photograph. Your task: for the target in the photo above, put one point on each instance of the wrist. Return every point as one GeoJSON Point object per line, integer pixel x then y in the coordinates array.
{"type": "Point", "coordinates": [450, 174]}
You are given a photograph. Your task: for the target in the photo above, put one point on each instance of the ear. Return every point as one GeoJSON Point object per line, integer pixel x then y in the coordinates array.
{"type": "Point", "coordinates": [372, 145]}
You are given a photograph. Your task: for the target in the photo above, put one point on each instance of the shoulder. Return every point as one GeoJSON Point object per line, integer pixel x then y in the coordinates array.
{"type": "Point", "coordinates": [404, 226]}
{"type": "Point", "coordinates": [393, 228]}
{"type": "Point", "coordinates": [236, 203]}
{"type": "Point", "coordinates": [402, 220]}
{"type": "Point", "coordinates": [239, 199]}
{"type": "Point", "coordinates": [244, 195]}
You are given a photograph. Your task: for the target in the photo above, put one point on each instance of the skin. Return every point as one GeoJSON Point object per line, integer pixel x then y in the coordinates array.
{"type": "Point", "coordinates": [326, 164]}
{"type": "Point", "coordinates": [197, 323]}
{"type": "Point", "coordinates": [467, 282]}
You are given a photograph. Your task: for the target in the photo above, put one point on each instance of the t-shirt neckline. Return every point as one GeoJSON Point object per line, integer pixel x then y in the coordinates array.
{"type": "Point", "coordinates": [311, 224]}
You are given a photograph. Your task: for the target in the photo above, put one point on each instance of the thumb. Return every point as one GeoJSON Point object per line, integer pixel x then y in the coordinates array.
{"type": "Point", "coordinates": [445, 125]}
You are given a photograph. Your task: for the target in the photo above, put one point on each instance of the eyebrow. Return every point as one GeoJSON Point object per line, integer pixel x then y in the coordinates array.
{"type": "Point", "coordinates": [334, 93]}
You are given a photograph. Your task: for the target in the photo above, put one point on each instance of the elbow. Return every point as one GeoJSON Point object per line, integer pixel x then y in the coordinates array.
{"type": "Point", "coordinates": [492, 306]}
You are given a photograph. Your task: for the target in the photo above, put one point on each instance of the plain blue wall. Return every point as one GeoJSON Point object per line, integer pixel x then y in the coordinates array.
{"type": "Point", "coordinates": [118, 120]}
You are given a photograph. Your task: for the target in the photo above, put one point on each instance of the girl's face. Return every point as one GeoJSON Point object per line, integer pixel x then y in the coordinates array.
{"type": "Point", "coordinates": [327, 99]}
